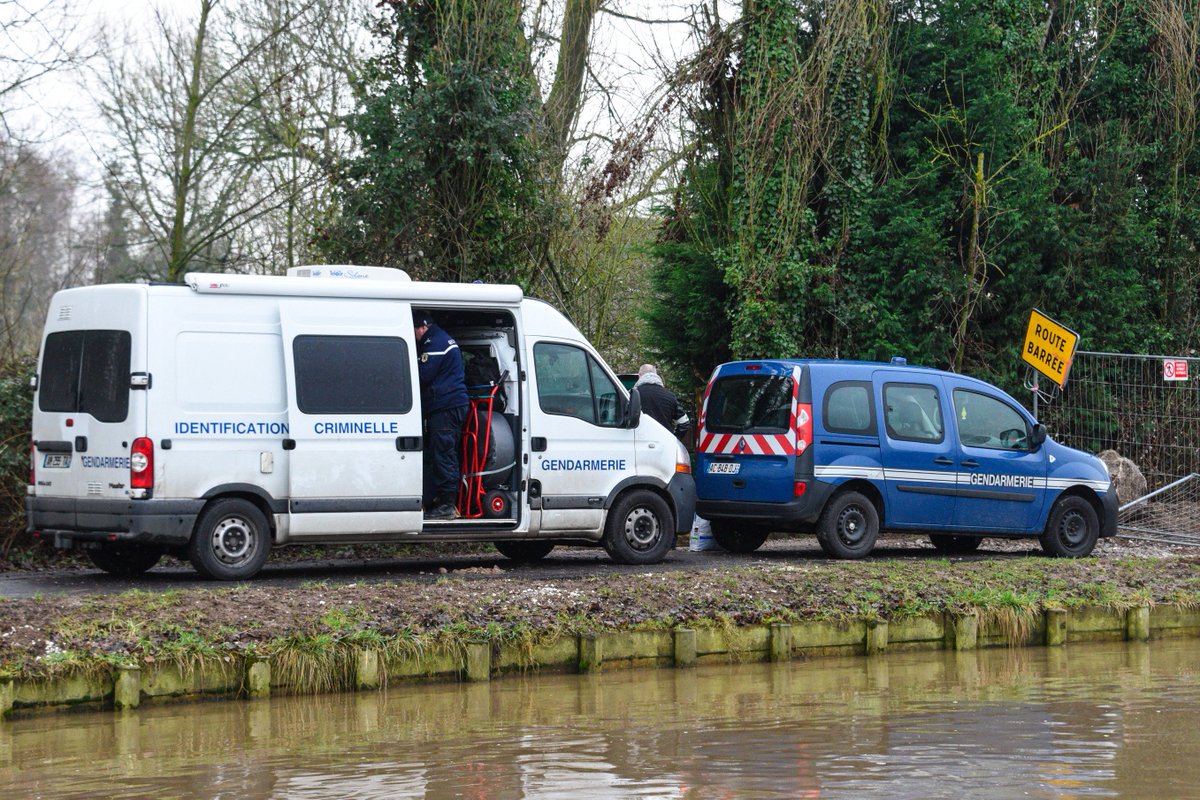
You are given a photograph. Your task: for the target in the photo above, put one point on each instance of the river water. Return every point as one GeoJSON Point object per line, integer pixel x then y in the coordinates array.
{"type": "Point", "coordinates": [1100, 720]}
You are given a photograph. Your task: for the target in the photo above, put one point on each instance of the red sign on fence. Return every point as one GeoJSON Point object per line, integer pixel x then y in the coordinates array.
{"type": "Point", "coordinates": [1175, 369]}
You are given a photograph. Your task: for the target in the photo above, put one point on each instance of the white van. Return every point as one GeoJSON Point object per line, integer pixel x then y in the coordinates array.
{"type": "Point", "coordinates": [216, 420]}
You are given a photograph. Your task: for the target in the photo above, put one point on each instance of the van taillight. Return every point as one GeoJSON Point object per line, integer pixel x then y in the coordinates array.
{"type": "Point", "coordinates": [804, 427]}
{"type": "Point", "coordinates": [141, 464]}
{"type": "Point", "coordinates": [33, 463]}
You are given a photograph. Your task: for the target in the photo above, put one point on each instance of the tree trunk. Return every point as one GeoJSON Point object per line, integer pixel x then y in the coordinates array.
{"type": "Point", "coordinates": [177, 260]}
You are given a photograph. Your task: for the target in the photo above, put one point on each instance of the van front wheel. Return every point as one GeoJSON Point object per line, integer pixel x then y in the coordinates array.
{"type": "Point", "coordinates": [639, 529]}
{"type": "Point", "coordinates": [849, 526]}
{"type": "Point", "coordinates": [231, 541]}
{"type": "Point", "coordinates": [738, 538]}
{"type": "Point", "coordinates": [1072, 530]}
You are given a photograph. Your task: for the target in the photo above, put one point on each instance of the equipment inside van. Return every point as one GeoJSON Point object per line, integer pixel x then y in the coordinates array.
{"type": "Point", "coordinates": [217, 420]}
{"type": "Point", "coordinates": [844, 449]}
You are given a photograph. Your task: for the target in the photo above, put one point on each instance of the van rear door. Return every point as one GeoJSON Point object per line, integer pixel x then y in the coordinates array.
{"type": "Point", "coordinates": [354, 417]}
{"type": "Point", "coordinates": [86, 415]}
{"type": "Point", "coordinates": [747, 447]}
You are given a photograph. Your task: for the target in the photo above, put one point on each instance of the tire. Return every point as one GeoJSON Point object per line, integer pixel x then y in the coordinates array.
{"type": "Point", "coordinates": [953, 545]}
{"type": "Point", "coordinates": [525, 552]}
{"type": "Point", "coordinates": [124, 561]}
{"type": "Point", "coordinates": [640, 529]}
{"type": "Point", "coordinates": [231, 542]}
{"type": "Point", "coordinates": [498, 505]}
{"type": "Point", "coordinates": [1072, 530]}
{"type": "Point", "coordinates": [849, 526]}
{"type": "Point", "coordinates": [738, 539]}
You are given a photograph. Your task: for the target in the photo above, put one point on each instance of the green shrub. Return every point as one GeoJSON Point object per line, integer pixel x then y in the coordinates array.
{"type": "Point", "coordinates": [16, 410]}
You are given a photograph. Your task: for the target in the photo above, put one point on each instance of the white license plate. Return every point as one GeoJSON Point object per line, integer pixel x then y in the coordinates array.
{"type": "Point", "coordinates": [724, 468]}
{"type": "Point", "coordinates": [59, 460]}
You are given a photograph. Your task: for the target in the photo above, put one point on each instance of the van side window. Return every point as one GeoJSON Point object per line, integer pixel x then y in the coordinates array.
{"type": "Point", "coordinates": [570, 382]}
{"type": "Point", "coordinates": [352, 375]}
{"type": "Point", "coordinates": [913, 412]}
{"type": "Point", "coordinates": [848, 408]}
{"type": "Point", "coordinates": [86, 372]}
{"type": "Point", "coordinates": [984, 421]}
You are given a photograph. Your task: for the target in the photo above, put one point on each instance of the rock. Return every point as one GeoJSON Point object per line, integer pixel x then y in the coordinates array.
{"type": "Point", "coordinates": [1127, 479]}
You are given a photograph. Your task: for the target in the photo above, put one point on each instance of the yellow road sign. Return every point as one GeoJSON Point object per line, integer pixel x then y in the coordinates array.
{"type": "Point", "coordinates": [1049, 347]}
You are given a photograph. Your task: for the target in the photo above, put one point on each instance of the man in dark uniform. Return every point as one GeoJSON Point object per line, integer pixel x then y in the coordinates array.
{"type": "Point", "coordinates": [444, 402]}
{"type": "Point", "coordinates": [660, 402]}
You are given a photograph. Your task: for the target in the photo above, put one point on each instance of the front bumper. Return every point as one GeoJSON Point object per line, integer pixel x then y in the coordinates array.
{"type": "Point", "coordinates": [67, 520]}
{"type": "Point", "coordinates": [1111, 505]}
{"type": "Point", "coordinates": [682, 489]}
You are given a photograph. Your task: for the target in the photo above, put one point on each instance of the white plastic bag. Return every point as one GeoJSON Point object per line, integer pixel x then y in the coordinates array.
{"type": "Point", "coordinates": [701, 538]}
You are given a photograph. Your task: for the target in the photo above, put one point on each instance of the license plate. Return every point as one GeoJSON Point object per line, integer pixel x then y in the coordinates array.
{"type": "Point", "coordinates": [59, 460]}
{"type": "Point", "coordinates": [724, 468]}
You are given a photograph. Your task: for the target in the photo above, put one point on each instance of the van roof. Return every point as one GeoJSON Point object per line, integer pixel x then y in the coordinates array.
{"type": "Point", "coordinates": [416, 291]}
{"type": "Point", "coordinates": [845, 367]}
{"type": "Point", "coordinates": [830, 362]}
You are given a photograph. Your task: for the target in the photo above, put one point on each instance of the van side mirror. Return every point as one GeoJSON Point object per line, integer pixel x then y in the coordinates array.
{"type": "Point", "coordinates": [633, 411]}
{"type": "Point", "coordinates": [1037, 437]}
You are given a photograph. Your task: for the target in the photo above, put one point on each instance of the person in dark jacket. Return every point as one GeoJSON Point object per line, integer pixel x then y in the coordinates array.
{"type": "Point", "coordinates": [660, 402]}
{"type": "Point", "coordinates": [444, 403]}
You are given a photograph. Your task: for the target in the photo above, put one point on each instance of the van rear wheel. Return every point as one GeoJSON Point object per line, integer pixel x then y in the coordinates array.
{"type": "Point", "coordinates": [849, 526]}
{"type": "Point", "coordinates": [124, 561]}
{"type": "Point", "coordinates": [231, 542]}
{"type": "Point", "coordinates": [738, 538]}
{"type": "Point", "coordinates": [639, 529]}
{"type": "Point", "coordinates": [524, 552]}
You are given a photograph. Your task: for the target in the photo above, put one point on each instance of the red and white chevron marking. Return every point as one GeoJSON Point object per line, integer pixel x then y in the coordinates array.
{"type": "Point", "coordinates": [762, 444]}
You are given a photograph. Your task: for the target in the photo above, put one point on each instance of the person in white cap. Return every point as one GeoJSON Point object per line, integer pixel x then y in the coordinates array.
{"type": "Point", "coordinates": [660, 402]}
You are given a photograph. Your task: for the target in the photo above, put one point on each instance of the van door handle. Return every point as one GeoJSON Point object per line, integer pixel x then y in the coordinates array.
{"type": "Point", "coordinates": [538, 444]}
{"type": "Point", "coordinates": [80, 444]}
{"type": "Point", "coordinates": [289, 444]}
{"type": "Point", "coordinates": [943, 460]}
{"type": "Point", "coordinates": [408, 443]}
{"type": "Point", "coordinates": [970, 463]}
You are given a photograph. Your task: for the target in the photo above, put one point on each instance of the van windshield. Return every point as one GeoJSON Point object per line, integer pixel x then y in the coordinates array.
{"type": "Point", "coordinates": [750, 404]}
{"type": "Point", "coordinates": [86, 372]}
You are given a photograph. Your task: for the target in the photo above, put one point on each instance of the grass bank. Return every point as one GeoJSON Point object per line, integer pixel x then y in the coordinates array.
{"type": "Point", "coordinates": [312, 635]}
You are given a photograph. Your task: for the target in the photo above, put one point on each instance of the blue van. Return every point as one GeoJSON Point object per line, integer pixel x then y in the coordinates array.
{"type": "Point", "coordinates": [845, 448]}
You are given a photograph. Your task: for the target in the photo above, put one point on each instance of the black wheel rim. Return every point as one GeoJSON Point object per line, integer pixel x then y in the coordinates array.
{"type": "Point", "coordinates": [1072, 529]}
{"type": "Point", "coordinates": [851, 525]}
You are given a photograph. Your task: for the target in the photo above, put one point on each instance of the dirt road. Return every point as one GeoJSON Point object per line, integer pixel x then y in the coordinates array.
{"type": "Point", "coordinates": [563, 562]}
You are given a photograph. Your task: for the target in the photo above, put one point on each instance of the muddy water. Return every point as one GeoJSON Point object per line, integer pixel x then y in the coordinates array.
{"type": "Point", "coordinates": [1081, 721]}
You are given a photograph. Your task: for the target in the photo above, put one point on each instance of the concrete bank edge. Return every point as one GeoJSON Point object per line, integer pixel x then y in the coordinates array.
{"type": "Point", "coordinates": [132, 685]}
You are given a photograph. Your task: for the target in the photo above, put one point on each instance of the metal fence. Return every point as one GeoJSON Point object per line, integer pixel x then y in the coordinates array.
{"type": "Point", "coordinates": [1127, 403]}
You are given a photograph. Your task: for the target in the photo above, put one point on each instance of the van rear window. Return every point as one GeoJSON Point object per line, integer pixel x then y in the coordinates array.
{"type": "Point", "coordinates": [750, 404]}
{"type": "Point", "coordinates": [86, 372]}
